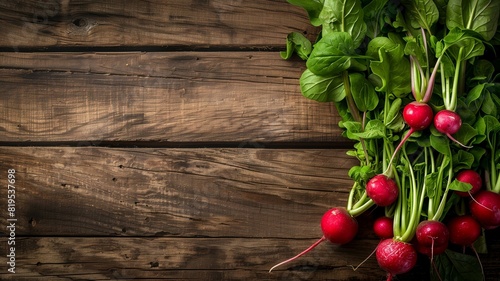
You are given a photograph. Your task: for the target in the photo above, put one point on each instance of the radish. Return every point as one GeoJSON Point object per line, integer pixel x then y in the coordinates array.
{"type": "Point", "coordinates": [382, 190]}
{"type": "Point", "coordinates": [395, 257]}
{"type": "Point", "coordinates": [432, 233]}
{"type": "Point", "coordinates": [448, 122]}
{"type": "Point", "coordinates": [464, 230]}
{"type": "Point", "coordinates": [471, 177]}
{"type": "Point", "coordinates": [338, 227]}
{"type": "Point", "coordinates": [485, 207]}
{"type": "Point", "coordinates": [418, 116]}
{"type": "Point", "coordinates": [383, 227]}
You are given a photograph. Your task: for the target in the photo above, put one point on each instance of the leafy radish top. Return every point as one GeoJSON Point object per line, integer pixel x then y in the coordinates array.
{"type": "Point", "coordinates": [418, 96]}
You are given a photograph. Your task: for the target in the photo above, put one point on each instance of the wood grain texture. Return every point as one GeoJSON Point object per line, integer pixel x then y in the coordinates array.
{"type": "Point", "coordinates": [117, 23]}
{"type": "Point", "coordinates": [175, 192]}
{"type": "Point", "coordinates": [165, 97]}
{"type": "Point", "coordinates": [54, 258]}
{"type": "Point", "coordinates": [162, 258]}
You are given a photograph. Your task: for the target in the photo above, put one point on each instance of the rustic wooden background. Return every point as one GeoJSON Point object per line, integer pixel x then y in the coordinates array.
{"type": "Point", "coordinates": [167, 140]}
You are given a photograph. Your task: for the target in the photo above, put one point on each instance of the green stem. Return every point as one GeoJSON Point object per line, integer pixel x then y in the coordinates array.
{"type": "Point", "coordinates": [350, 200]}
{"type": "Point", "coordinates": [350, 101]}
{"type": "Point", "coordinates": [363, 208]}
{"type": "Point", "coordinates": [452, 103]}
{"type": "Point", "coordinates": [360, 202]}
{"type": "Point", "coordinates": [440, 210]}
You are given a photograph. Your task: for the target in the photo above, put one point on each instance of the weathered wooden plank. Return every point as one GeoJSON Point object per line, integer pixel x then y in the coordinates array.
{"type": "Point", "coordinates": [58, 258]}
{"type": "Point", "coordinates": [167, 97]}
{"type": "Point", "coordinates": [138, 23]}
{"type": "Point", "coordinates": [75, 191]}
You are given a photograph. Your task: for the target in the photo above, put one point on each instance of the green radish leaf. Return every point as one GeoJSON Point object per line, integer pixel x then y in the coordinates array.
{"type": "Point", "coordinates": [488, 105]}
{"type": "Point", "coordinates": [441, 6]}
{"type": "Point", "coordinates": [480, 16]}
{"type": "Point", "coordinates": [431, 184]}
{"type": "Point", "coordinates": [363, 92]}
{"type": "Point", "coordinates": [322, 89]}
{"type": "Point", "coordinates": [352, 129]}
{"type": "Point", "coordinates": [361, 174]}
{"type": "Point", "coordinates": [441, 144]}
{"type": "Point", "coordinates": [462, 160]}
{"type": "Point", "coordinates": [374, 129]}
{"type": "Point", "coordinates": [475, 98]}
{"type": "Point", "coordinates": [483, 70]}
{"type": "Point", "coordinates": [480, 244]}
{"type": "Point", "coordinates": [331, 54]}
{"type": "Point", "coordinates": [413, 48]}
{"type": "Point", "coordinates": [372, 14]}
{"type": "Point", "coordinates": [421, 13]}
{"type": "Point", "coordinates": [478, 153]}
{"type": "Point", "coordinates": [456, 266]}
{"type": "Point", "coordinates": [466, 133]}
{"type": "Point", "coordinates": [344, 16]}
{"type": "Point", "coordinates": [393, 110]}
{"type": "Point", "coordinates": [392, 67]}
{"type": "Point", "coordinates": [298, 43]}
{"type": "Point", "coordinates": [313, 8]}
{"type": "Point", "coordinates": [460, 186]}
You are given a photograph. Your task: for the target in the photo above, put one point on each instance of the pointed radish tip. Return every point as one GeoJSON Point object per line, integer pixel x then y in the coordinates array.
{"type": "Point", "coordinates": [457, 142]}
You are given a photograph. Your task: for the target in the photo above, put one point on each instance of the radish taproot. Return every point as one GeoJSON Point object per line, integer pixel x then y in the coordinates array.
{"type": "Point", "coordinates": [448, 122]}
{"type": "Point", "coordinates": [431, 251]}
{"type": "Point", "coordinates": [471, 177]}
{"type": "Point", "coordinates": [395, 257]}
{"type": "Point", "coordinates": [338, 227]}
{"type": "Point", "coordinates": [383, 227]}
{"type": "Point", "coordinates": [382, 190]}
{"type": "Point", "coordinates": [464, 230]}
{"type": "Point", "coordinates": [485, 207]}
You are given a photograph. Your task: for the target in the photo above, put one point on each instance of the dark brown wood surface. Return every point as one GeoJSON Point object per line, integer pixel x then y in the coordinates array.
{"type": "Point", "coordinates": [167, 140]}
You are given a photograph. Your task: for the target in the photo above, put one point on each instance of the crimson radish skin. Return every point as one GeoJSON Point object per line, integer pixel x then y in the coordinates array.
{"type": "Point", "coordinates": [464, 230]}
{"type": "Point", "coordinates": [486, 209]}
{"type": "Point", "coordinates": [382, 190]}
{"type": "Point", "coordinates": [418, 115]}
{"type": "Point", "coordinates": [448, 122]}
{"type": "Point", "coordinates": [338, 227]}
{"type": "Point", "coordinates": [395, 257]}
{"type": "Point", "coordinates": [383, 227]}
{"type": "Point", "coordinates": [471, 177]}
{"type": "Point", "coordinates": [432, 233]}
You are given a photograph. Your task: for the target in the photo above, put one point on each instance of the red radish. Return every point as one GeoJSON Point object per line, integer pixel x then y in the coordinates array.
{"type": "Point", "coordinates": [382, 190]}
{"type": "Point", "coordinates": [448, 122]}
{"type": "Point", "coordinates": [432, 233]}
{"type": "Point", "coordinates": [418, 116]}
{"type": "Point", "coordinates": [485, 207]}
{"type": "Point", "coordinates": [383, 227]}
{"type": "Point", "coordinates": [338, 227]}
{"type": "Point", "coordinates": [464, 230]}
{"type": "Point", "coordinates": [471, 177]}
{"type": "Point", "coordinates": [395, 257]}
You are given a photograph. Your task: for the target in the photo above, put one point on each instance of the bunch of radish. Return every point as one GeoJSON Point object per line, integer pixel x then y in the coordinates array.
{"type": "Point", "coordinates": [416, 90]}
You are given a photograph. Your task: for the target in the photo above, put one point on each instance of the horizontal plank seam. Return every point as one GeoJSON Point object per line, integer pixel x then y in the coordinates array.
{"type": "Point", "coordinates": [147, 49]}
{"type": "Point", "coordinates": [165, 144]}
